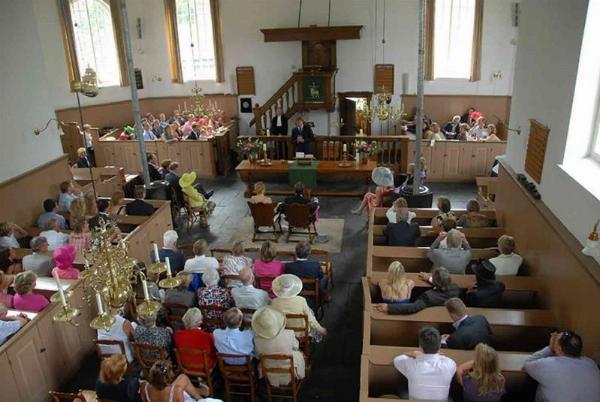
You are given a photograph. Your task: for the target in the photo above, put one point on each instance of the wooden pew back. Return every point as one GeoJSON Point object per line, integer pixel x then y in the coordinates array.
{"type": "Point", "coordinates": [477, 237]}
{"type": "Point", "coordinates": [424, 215]}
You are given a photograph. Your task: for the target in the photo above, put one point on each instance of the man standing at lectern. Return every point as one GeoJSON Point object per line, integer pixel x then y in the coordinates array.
{"type": "Point", "coordinates": [279, 123]}
{"type": "Point", "coordinates": [302, 136]}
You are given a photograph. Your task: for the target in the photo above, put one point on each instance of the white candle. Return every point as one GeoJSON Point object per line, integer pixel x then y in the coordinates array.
{"type": "Point", "coordinates": [156, 257]}
{"type": "Point", "coordinates": [268, 132]}
{"type": "Point", "coordinates": [344, 148]}
{"type": "Point", "coordinates": [99, 304]}
{"type": "Point", "coordinates": [63, 300]}
{"type": "Point", "coordinates": [264, 147]}
{"type": "Point", "coordinates": [145, 287]}
{"type": "Point", "coordinates": [168, 266]}
{"type": "Point", "coordinates": [185, 106]}
{"type": "Point", "coordinates": [341, 120]}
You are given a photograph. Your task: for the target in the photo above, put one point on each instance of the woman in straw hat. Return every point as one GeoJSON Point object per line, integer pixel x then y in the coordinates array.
{"type": "Point", "coordinates": [271, 337]}
{"type": "Point", "coordinates": [384, 179]}
{"type": "Point", "coordinates": [287, 287]}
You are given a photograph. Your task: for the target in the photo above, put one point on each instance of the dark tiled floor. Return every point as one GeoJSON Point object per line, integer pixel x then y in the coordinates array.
{"type": "Point", "coordinates": [335, 365]}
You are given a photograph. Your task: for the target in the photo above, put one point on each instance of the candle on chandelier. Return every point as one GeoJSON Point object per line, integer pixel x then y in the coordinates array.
{"type": "Point", "coordinates": [268, 132]}
{"type": "Point", "coordinates": [63, 299]}
{"type": "Point", "coordinates": [145, 287]}
{"type": "Point", "coordinates": [168, 266]}
{"type": "Point", "coordinates": [264, 147]}
{"type": "Point", "coordinates": [99, 304]}
{"type": "Point", "coordinates": [344, 148]}
{"type": "Point", "coordinates": [185, 106]}
{"type": "Point", "coordinates": [156, 257]}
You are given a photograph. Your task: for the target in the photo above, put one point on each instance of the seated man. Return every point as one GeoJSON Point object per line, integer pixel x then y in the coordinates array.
{"type": "Point", "coordinates": [170, 250]}
{"type": "Point", "coordinates": [153, 168]}
{"type": "Point", "coordinates": [68, 193]}
{"type": "Point", "coordinates": [102, 217]}
{"type": "Point", "coordinates": [139, 207]}
{"type": "Point", "coordinates": [53, 235]}
{"type": "Point", "coordinates": [508, 262]}
{"type": "Point", "coordinates": [40, 261]}
{"type": "Point", "coordinates": [10, 325]}
{"type": "Point", "coordinates": [402, 233]}
{"type": "Point", "coordinates": [429, 373]}
{"type": "Point", "coordinates": [233, 341]}
{"type": "Point", "coordinates": [304, 268]}
{"type": "Point", "coordinates": [486, 292]}
{"type": "Point", "coordinates": [470, 330]}
{"type": "Point", "coordinates": [452, 129]}
{"type": "Point", "coordinates": [443, 289]}
{"type": "Point", "coordinates": [247, 296]}
{"type": "Point", "coordinates": [456, 257]}
{"type": "Point", "coordinates": [51, 211]}
{"type": "Point", "coordinates": [299, 198]}
{"type": "Point", "coordinates": [562, 373]}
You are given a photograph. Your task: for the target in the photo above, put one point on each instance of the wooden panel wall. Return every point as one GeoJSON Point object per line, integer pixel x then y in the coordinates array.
{"type": "Point", "coordinates": [22, 196]}
{"type": "Point", "coordinates": [117, 114]}
{"type": "Point", "coordinates": [569, 281]}
{"type": "Point", "coordinates": [384, 78]}
{"type": "Point", "coordinates": [150, 231]}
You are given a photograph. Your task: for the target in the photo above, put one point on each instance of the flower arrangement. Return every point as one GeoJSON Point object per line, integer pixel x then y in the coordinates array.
{"type": "Point", "coordinates": [249, 147]}
{"type": "Point", "coordinates": [366, 148]}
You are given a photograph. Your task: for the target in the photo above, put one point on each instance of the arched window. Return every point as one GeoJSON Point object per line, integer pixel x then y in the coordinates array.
{"type": "Point", "coordinates": [93, 38]}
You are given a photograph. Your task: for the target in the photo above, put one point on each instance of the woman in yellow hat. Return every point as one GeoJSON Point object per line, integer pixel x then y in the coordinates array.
{"type": "Point", "coordinates": [193, 197]}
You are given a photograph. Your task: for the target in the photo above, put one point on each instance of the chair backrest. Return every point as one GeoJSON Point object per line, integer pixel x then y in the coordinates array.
{"type": "Point", "coordinates": [175, 314]}
{"type": "Point", "coordinates": [238, 373]}
{"type": "Point", "coordinates": [263, 214]}
{"type": "Point", "coordinates": [146, 355]}
{"type": "Point", "coordinates": [278, 364]}
{"type": "Point", "coordinates": [311, 288]}
{"type": "Point", "coordinates": [228, 280]}
{"type": "Point", "coordinates": [297, 215]}
{"type": "Point", "coordinates": [193, 368]}
{"type": "Point", "coordinates": [215, 319]}
{"type": "Point", "coordinates": [111, 345]}
{"type": "Point", "coordinates": [66, 396]}
{"type": "Point", "coordinates": [247, 320]}
{"type": "Point", "coordinates": [298, 323]}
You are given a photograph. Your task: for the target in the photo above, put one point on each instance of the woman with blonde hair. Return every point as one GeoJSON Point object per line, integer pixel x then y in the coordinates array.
{"type": "Point", "coordinates": [444, 206]}
{"type": "Point", "coordinates": [259, 194]}
{"type": "Point", "coordinates": [234, 263]}
{"type": "Point", "coordinates": [25, 299]}
{"type": "Point", "coordinates": [396, 288]}
{"type": "Point", "coordinates": [116, 203]}
{"type": "Point", "coordinates": [77, 211]}
{"type": "Point", "coordinates": [481, 378]}
{"type": "Point", "coordinates": [111, 384]}
{"type": "Point", "coordinates": [391, 213]}
{"type": "Point", "coordinates": [268, 266]}
{"type": "Point", "coordinates": [492, 137]}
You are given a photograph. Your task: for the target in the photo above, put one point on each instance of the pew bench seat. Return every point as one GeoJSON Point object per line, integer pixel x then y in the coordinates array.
{"type": "Point", "coordinates": [424, 215]}
{"type": "Point", "coordinates": [477, 237]}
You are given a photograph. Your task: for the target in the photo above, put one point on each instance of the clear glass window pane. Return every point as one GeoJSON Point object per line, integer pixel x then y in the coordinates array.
{"type": "Point", "coordinates": [95, 43]}
{"type": "Point", "coordinates": [195, 34]}
{"type": "Point", "coordinates": [454, 22]}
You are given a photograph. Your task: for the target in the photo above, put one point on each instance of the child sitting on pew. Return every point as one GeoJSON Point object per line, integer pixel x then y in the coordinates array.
{"type": "Point", "coordinates": [396, 289]}
{"type": "Point", "coordinates": [480, 378]}
{"type": "Point", "coordinates": [80, 237]}
{"type": "Point", "coordinates": [64, 257]}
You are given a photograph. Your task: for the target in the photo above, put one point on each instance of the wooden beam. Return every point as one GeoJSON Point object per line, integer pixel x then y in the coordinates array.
{"type": "Point", "coordinates": [312, 33]}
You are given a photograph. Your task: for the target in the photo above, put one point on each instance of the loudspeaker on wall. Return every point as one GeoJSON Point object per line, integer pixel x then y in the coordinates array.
{"type": "Point", "coordinates": [516, 14]}
{"type": "Point", "coordinates": [246, 105]}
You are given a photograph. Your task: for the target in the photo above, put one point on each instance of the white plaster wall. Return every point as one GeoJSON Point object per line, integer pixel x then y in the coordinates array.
{"type": "Point", "coordinates": [24, 93]}
{"type": "Point", "coordinates": [544, 83]}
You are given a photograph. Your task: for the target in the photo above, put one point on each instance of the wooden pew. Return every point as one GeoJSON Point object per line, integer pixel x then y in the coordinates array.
{"type": "Point", "coordinates": [46, 286]}
{"type": "Point", "coordinates": [477, 237]}
{"type": "Point", "coordinates": [424, 215]}
{"type": "Point", "coordinates": [486, 191]}
{"type": "Point", "coordinates": [22, 252]}
{"type": "Point", "coordinates": [520, 292]}
{"type": "Point", "coordinates": [531, 328]}
{"type": "Point", "coordinates": [379, 376]}
{"type": "Point", "coordinates": [414, 259]}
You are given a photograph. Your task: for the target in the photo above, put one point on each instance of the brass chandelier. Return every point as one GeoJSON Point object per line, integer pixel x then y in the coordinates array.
{"type": "Point", "coordinates": [383, 109]}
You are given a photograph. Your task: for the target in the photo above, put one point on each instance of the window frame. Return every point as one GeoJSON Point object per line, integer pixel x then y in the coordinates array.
{"type": "Point", "coordinates": [73, 70]}
{"type": "Point", "coordinates": [475, 74]}
{"type": "Point", "coordinates": [594, 152]}
{"type": "Point", "coordinates": [173, 41]}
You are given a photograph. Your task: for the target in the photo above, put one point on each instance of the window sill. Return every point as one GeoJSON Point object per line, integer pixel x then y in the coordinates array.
{"type": "Point", "coordinates": [585, 172]}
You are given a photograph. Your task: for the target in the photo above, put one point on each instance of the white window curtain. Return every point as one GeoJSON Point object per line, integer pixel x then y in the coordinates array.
{"type": "Point", "coordinates": [454, 23]}
{"type": "Point", "coordinates": [196, 44]}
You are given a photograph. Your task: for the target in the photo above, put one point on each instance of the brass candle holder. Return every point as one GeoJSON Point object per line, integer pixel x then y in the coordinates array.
{"type": "Point", "coordinates": [157, 268]}
{"type": "Point", "coordinates": [67, 314]}
{"type": "Point", "coordinates": [345, 162]}
{"type": "Point", "coordinates": [265, 161]}
{"type": "Point", "coordinates": [103, 321]}
{"type": "Point", "coordinates": [148, 308]}
{"type": "Point", "coordinates": [169, 282]}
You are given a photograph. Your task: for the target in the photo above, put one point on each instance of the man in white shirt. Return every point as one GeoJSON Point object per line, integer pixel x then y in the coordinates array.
{"type": "Point", "coordinates": [247, 296]}
{"type": "Point", "coordinates": [148, 134]}
{"type": "Point", "coordinates": [200, 263]}
{"type": "Point", "coordinates": [54, 236]}
{"type": "Point", "coordinates": [233, 341]}
{"type": "Point", "coordinates": [428, 373]}
{"type": "Point", "coordinates": [10, 325]}
{"type": "Point", "coordinates": [507, 263]}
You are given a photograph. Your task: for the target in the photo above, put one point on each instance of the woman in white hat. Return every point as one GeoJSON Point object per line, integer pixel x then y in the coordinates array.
{"type": "Point", "coordinates": [271, 337]}
{"type": "Point", "coordinates": [384, 179]}
{"type": "Point", "coordinates": [287, 287]}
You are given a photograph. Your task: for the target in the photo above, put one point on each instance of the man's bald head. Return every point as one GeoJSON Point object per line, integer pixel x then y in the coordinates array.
{"type": "Point", "coordinates": [247, 276]}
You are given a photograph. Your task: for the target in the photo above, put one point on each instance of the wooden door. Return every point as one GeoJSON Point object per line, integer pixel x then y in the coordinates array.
{"type": "Point", "coordinates": [480, 157]}
{"type": "Point", "coordinates": [9, 385]}
{"type": "Point", "coordinates": [452, 161]}
{"type": "Point", "coordinates": [348, 113]}
{"type": "Point", "coordinates": [437, 161]}
{"type": "Point", "coordinates": [27, 358]}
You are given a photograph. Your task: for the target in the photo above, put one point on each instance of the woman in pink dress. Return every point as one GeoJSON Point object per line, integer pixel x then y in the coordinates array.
{"type": "Point", "coordinates": [384, 179]}
{"type": "Point", "coordinates": [268, 266]}
{"type": "Point", "coordinates": [25, 299]}
{"type": "Point", "coordinates": [64, 257]}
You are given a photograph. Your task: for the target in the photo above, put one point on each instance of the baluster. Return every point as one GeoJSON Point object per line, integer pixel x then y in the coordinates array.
{"type": "Point", "coordinates": [287, 100]}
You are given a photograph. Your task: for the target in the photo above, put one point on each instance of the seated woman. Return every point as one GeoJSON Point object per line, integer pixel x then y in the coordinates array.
{"type": "Point", "coordinates": [481, 378]}
{"type": "Point", "coordinates": [91, 205]}
{"type": "Point", "coordinates": [122, 330]}
{"type": "Point", "coordinates": [444, 207]}
{"type": "Point", "coordinates": [396, 288]}
{"type": "Point", "coordinates": [391, 213]}
{"type": "Point", "coordinates": [25, 299]}
{"type": "Point", "coordinates": [492, 137]}
{"type": "Point", "coordinates": [9, 325]}
{"type": "Point", "coordinates": [479, 131]}
{"type": "Point", "coordinates": [82, 159]}
{"type": "Point", "coordinates": [64, 257]}
{"type": "Point", "coordinates": [193, 337]}
{"type": "Point", "coordinates": [163, 386]}
{"type": "Point", "coordinates": [435, 133]}
{"type": "Point", "coordinates": [116, 204]}
{"type": "Point", "coordinates": [299, 198]}
{"type": "Point", "coordinates": [148, 333]}
{"type": "Point", "coordinates": [76, 211]}
{"type": "Point", "coordinates": [111, 384]}
{"type": "Point", "coordinates": [167, 135]}
{"type": "Point", "coordinates": [194, 199]}
{"type": "Point", "coordinates": [235, 262]}
{"type": "Point", "coordinates": [128, 133]}
{"type": "Point", "coordinates": [473, 218]}
{"type": "Point", "coordinates": [80, 237]}
{"type": "Point", "coordinates": [384, 180]}
{"type": "Point", "coordinates": [452, 129]}
{"type": "Point", "coordinates": [267, 265]}
{"type": "Point", "coordinates": [287, 288]}
{"type": "Point", "coordinates": [463, 132]}
{"type": "Point", "coordinates": [214, 295]}
{"type": "Point", "coordinates": [8, 261]}
{"type": "Point", "coordinates": [259, 194]}
{"type": "Point", "coordinates": [5, 282]}
{"type": "Point", "coordinates": [10, 234]}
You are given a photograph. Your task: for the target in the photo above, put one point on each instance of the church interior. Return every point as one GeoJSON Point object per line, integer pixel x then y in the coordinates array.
{"type": "Point", "coordinates": [305, 200]}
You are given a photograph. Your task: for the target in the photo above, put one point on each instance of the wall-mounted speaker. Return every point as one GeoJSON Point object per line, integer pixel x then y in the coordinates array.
{"type": "Point", "coordinates": [138, 26]}
{"type": "Point", "coordinates": [246, 105]}
{"type": "Point", "coordinates": [516, 14]}
{"type": "Point", "coordinates": [139, 80]}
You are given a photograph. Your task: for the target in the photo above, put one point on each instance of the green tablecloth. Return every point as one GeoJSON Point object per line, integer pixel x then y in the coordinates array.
{"type": "Point", "coordinates": [307, 174]}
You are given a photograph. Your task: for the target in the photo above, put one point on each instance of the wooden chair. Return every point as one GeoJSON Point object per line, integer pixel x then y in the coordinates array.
{"type": "Point", "coordinates": [264, 215]}
{"type": "Point", "coordinates": [239, 379]}
{"type": "Point", "coordinates": [197, 214]}
{"type": "Point", "coordinates": [284, 365]}
{"type": "Point", "coordinates": [301, 331]}
{"type": "Point", "coordinates": [177, 204]}
{"type": "Point", "coordinates": [146, 355]}
{"type": "Point", "coordinates": [175, 314]}
{"type": "Point", "coordinates": [300, 220]}
{"type": "Point", "coordinates": [112, 344]}
{"type": "Point", "coordinates": [228, 280]}
{"type": "Point", "coordinates": [247, 312]}
{"type": "Point", "coordinates": [323, 257]}
{"type": "Point", "coordinates": [209, 320]}
{"type": "Point", "coordinates": [196, 371]}
{"type": "Point", "coordinates": [66, 396]}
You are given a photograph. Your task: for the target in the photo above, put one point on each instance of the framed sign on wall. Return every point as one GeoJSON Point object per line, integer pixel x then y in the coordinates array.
{"type": "Point", "coordinates": [313, 90]}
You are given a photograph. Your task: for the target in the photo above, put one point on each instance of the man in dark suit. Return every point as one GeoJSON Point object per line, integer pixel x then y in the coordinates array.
{"type": "Point", "coordinates": [279, 123]}
{"type": "Point", "coordinates": [194, 133]}
{"type": "Point", "coordinates": [303, 268]}
{"type": "Point", "coordinates": [402, 233]}
{"type": "Point", "coordinates": [153, 167]}
{"type": "Point", "coordinates": [139, 207]}
{"type": "Point", "coordinates": [299, 198]}
{"type": "Point", "coordinates": [102, 217]}
{"type": "Point", "coordinates": [470, 330]}
{"type": "Point", "coordinates": [486, 292]}
{"type": "Point", "coordinates": [302, 136]}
